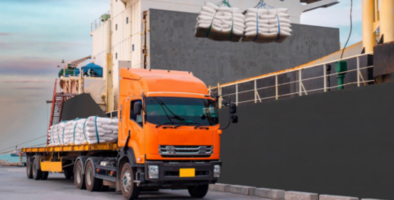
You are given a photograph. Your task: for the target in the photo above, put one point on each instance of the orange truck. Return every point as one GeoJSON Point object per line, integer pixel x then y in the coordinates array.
{"type": "Point", "coordinates": [169, 138]}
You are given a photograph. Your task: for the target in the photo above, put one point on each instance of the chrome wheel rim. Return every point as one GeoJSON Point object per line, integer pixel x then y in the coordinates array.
{"type": "Point", "coordinates": [79, 174]}
{"type": "Point", "coordinates": [126, 180]}
{"type": "Point", "coordinates": [88, 176]}
{"type": "Point", "coordinates": [34, 170]}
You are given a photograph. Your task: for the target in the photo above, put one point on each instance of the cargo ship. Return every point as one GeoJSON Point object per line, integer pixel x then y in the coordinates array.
{"type": "Point", "coordinates": [313, 117]}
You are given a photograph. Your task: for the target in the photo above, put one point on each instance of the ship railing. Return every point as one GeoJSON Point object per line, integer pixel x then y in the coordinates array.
{"type": "Point", "coordinates": [299, 81]}
{"type": "Point", "coordinates": [97, 23]}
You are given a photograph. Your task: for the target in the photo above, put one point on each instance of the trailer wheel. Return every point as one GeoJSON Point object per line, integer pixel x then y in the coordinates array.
{"type": "Point", "coordinates": [92, 183]}
{"type": "Point", "coordinates": [37, 174]}
{"type": "Point", "coordinates": [198, 191]}
{"type": "Point", "coordinates": [79, 178]}
{"type": "Point", "coordinates": [44, 175]}
{"type": "Point", "coordinates": [29, 168]}
{"type": "Point", "coordinates": [129, 188]}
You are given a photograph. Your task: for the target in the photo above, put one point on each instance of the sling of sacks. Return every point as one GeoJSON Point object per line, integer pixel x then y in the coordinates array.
{"type": "Point", "coordinates": [92, 130]}
{"type": "Point", "coordinates": [220, 23]}
{"type": "Point", "coordinates": [267, 25]}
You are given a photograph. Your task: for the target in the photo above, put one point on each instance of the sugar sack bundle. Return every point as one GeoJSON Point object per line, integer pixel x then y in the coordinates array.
{"type": "Point", "coordinates": [56, 134]}
{"type": "Point", "coordinates": [80, 137]}
{"type": "Point", "coordinates": [220, 23]}
{"type": "Point", "coordinates": [267, 25]}
{"type": "Point", "coordinates": [99, 130]}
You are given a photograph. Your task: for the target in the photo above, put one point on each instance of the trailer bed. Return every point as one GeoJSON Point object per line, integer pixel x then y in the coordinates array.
{"type": "Point", "coordinates": [110, 146]}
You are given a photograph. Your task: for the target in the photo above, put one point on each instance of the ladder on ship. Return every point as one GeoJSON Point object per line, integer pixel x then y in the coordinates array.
{"type": "Point", "coordinates": [57, 107]}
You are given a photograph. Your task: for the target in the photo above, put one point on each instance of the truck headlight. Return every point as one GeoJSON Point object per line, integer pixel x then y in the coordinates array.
{"type": "Point", "coordinates": [216, 171]}
{"type": "Point", "coordinates": [153, 171]}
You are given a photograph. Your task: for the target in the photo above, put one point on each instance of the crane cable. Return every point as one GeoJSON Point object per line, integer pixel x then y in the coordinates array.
{"type": "Point", "coordinates": [24, 142]}
{"type": "Point", "coordinates": [10, 151]}
{"type": "Point", "coordinates": [351, 27]}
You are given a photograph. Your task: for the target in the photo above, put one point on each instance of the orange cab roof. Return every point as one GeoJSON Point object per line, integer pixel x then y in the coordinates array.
{"type": "Point", "coordinates": [164, 81]}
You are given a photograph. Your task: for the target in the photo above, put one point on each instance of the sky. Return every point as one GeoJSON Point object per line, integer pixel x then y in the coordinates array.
{"type": "Point", "coordinates": [35, 35]}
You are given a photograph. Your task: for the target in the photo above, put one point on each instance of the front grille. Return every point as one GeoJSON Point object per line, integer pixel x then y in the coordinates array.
{"type": "Point", "coordinates": [185, 151]}
{"type": "Point", "coordinates": [176, 173]}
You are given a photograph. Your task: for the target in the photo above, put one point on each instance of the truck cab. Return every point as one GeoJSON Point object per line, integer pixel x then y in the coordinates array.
{"type": "Point", "coordinates": [169, 132]}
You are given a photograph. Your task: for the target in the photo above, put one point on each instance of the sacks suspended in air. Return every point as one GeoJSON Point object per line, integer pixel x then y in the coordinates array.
{"type": "Point", "coordinates": [220, 23]}
{"type": "Point", "coordinates": [267, 25]}
{"type": "Point", "coordinates": [261, 25]}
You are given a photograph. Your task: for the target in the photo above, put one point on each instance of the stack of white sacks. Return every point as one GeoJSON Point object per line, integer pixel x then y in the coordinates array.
{"type": "Point", "coordinates": [261, 25]}
{"type": "Point", "coordinates": [220, 23]}
{"type": "Point", "coordinates": [267, 25]}
{"type": "Point", "coordinates": [56, 134]}
{"type": "Point", "coordinates": [84, 131]}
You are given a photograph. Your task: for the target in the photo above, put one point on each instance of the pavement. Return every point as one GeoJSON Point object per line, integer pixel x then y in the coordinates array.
{"type": "Point", "coordinates": [14, 185]}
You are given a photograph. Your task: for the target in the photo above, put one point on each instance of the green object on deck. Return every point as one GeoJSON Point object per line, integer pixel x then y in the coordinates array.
{"type": "Point", "coordinates": [105, 17]}
{"type": "Point", "coordinates": [341, 68]}
{"type": "Point", "coordinates": [69, 72]}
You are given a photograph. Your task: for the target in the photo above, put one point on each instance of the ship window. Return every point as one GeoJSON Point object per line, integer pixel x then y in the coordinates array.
{"type": "Point", "coordinates": [133, 47]}
{"type": "Point", "coordinates": [127, 20]}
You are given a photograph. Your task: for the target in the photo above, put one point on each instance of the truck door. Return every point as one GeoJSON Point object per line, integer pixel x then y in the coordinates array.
{"type": "Point", "coordinates": [133, 125]}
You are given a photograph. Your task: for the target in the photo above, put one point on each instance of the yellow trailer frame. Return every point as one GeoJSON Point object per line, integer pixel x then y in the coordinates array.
{"type": "Point", "coordinates": [49, 165]}
{"type": "Point", "coordinates": [111, 146]}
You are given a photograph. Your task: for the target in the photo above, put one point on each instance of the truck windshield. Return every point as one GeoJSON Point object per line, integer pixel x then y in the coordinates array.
{"type": "Point", "coordinates": [181, 111]}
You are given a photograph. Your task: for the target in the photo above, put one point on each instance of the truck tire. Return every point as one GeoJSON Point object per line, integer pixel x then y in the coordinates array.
{"type": "Point", "coordinates": [129, 189]}
{"type": "Point", "coordinates": [37, 174]}
{"type": "Point", "coordinates": [44, 175]}
{"type": "Point", "coordinates": [79, 178]}
{"type": "Point", "coordinates": [68, 173]}
{"type": "Point", "coordinates": [92, 183]}
{"type": "Point", "coordinates": [29, 168]}
{"type": "Point", "coordinates": [198, 191]}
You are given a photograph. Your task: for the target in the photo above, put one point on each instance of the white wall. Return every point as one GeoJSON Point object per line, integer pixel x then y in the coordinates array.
{"type": "Point", "coordinates": [100, 37]}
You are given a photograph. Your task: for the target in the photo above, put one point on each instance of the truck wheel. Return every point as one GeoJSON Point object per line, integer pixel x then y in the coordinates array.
{"type": "Point", "coordinates": [92, 183]}
{"type": "Point", "coordinates": [79, 178]}
{"type": "Point", "coordinates": [129, 188]}
{"type": "Point", "coordinates": [29, 168]}
{"type": "Point", "coordinates": [68, 173]}
{"type": "Point", "coordinates": [44, 175]}
{"type": "Point", "coordinates": [37, 174]}
{"type": "Point", "coordinates": [198, 191]}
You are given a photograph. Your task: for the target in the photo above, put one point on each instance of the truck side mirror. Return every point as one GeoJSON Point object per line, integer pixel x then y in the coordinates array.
{"type": "Point", "coordinates": [233, 108]}
{"type": "Point", "coordinates": [224, 102]}
{"type": "Point", "coordinates": [234, 119]}
{"type": "Point", "coordinates": [137, 108]}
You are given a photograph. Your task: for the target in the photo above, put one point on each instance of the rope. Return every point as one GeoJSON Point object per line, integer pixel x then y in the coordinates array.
{"type": "Point", "coordinates": [232, 26]}
{"type": "Point", "coordinates": [257, 26]}
{"type": "Point", "coordinates": [84, 130]}
{"type": "Point", "coordinates": [63, 135]}
{"type": "Point", "coordinates": [277, 38]}
{"type": "Point", "coordinates": [210, 27]}
{"type": "Point", "coordinates": [24, 142]}
{"type": "Point", "coordinates": [74, 132]}
{"type": "Point", "coordinates": [58, 137]}
{"type": "Point", "coordinates": [97, 135]}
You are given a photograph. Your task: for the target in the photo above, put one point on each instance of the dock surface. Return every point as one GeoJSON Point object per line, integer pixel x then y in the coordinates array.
{"type": "Point", "coordinates": [15, 185]}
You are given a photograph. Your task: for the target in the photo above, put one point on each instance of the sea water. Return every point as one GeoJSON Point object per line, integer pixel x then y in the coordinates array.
{"type": "Point", "coordinates": [9, 158]}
